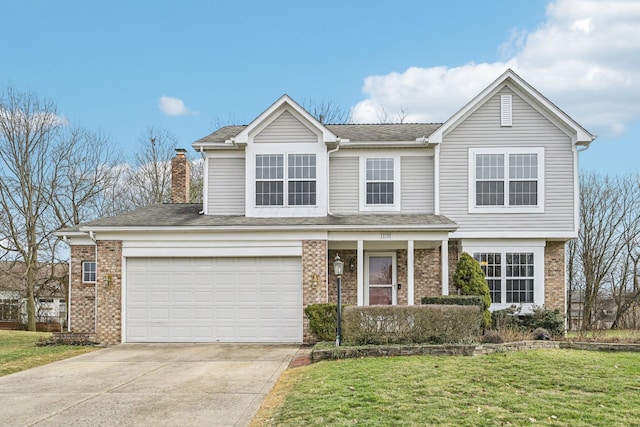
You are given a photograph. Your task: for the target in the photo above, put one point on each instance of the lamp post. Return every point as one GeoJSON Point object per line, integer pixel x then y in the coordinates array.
{"type": "Point", "coordinates": [338, 269]}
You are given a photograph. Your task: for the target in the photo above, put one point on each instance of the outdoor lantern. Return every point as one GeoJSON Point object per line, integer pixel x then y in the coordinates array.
{"type": "Point", "coordinates": [338, 269]}
{"type": "Point", "coordinates": [338, 266]}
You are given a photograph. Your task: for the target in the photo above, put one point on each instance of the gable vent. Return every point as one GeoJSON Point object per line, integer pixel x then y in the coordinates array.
{"type": "Point", "coordinates": [505, 110]}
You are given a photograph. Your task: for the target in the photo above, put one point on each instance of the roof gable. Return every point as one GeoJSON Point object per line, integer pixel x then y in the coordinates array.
{"type": "Point", "coordinates": [283, 104]}
{"type": "Point", "coordinates": [510, 79]}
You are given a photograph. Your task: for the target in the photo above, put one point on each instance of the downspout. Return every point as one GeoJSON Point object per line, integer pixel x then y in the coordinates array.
{"type": "Point", "coordinates": [328, 177]}
{"type": "Point", "coordinates": [203, 178]}
{"type": "Point", "coordinates": [586, 146]}
{"type": "Point", "coordinates": [92, 236]}
{"type": "Point", "coordinates": [66, 240]}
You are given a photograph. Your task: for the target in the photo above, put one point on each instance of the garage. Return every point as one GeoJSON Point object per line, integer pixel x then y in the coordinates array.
{"type": "Point", "coordinates": [214, 300]}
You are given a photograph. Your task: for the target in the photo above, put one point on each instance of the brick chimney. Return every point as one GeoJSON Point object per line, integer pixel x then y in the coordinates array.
{"type": "Point", "coordinates": [180, 177]}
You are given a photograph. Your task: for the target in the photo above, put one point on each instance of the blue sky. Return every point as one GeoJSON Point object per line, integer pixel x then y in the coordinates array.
{"type": "Point", "coordinates": [121, 66]}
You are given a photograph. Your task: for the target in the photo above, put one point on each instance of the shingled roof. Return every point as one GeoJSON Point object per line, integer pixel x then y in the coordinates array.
{"type": "Point", "coordinates": [352, 132]}
{"type": "Point", "coordinates": [188, 216]}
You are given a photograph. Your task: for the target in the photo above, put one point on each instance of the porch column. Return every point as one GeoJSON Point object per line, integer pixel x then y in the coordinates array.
{"type": "Point", "coordinates": [360, 257]}
{"type": "Point", "coordinates": [444, 262]}
{"type": "Point", "coordinates": [410, 261]}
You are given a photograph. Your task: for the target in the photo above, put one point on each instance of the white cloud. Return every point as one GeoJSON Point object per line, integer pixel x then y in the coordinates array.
{"type": "Point", "coordinates": [585, 58]}
{"type": "Point", "coordinates": [173, 106]}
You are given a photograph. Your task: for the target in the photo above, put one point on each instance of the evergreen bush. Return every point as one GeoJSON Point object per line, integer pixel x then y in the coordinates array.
{"type": "Point", "coordinates": [470, 280]}
{"type": "Point", "coordinates": [323, 320]}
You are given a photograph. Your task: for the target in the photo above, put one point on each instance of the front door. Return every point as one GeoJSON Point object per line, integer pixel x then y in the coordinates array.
{"type": "Point", "coordinates": [380, 279]}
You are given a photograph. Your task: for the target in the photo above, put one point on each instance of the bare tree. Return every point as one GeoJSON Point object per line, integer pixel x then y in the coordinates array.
{"type": "Point", "coordinates": [49, 174]}
{"type": "Point", "coordinates": [150, 181]}
{"type": "Point", "coordinates": [610, 222]}
{"type": "Point", "coordinates": [327, 111]}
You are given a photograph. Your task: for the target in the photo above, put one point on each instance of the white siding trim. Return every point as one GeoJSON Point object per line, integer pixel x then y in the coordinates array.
{"type": "Point", "coordinates": [436, 181]}
{"type": "Point", "coordinates": [506, 113]}
{"type": "Point", "coordinates": [410, 272]}
{"type": "Point", "coordinates": [444, 262]}
{"type": "Point", "coordinates": [360, 284]}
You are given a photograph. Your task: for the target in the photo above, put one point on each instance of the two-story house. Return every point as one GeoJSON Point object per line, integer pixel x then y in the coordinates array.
{"type": "Point", "coordinates": [286, 194]}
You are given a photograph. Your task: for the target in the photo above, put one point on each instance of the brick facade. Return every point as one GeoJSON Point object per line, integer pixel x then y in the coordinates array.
{"type": "Point", "coordinates": [554, 271]}
{"type": "Point", "coordinates": [427, 277]}
{"type": "Point", "coordinates": [109, 292]}
{"type": "Point", "coordinates": [314, 278]}
{"type": "Point", "coordinates": [83, 295]}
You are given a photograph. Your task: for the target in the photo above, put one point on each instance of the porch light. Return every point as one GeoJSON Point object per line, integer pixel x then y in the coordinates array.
{"type": "Point", "coordinates": [338, 266]}
{"type": "Point", "coordinates": [338, 269]}
{"type": "Point", "coordinates": [352, 264]}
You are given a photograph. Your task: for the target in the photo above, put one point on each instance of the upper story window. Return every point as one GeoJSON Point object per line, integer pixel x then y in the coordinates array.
{"type": "Point", "coordinates": [300, 178]}
{"type": "Point", "coordinates": [88, 272]}
{"type": "Point", "coordinates": [506, 178]}
{"type": "Point", "coordinates": [380, 181]}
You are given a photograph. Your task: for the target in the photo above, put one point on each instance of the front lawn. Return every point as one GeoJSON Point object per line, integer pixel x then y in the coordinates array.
{"type": "Point", "coordinates": [19, 352]}
{"type": "Point", "coordinates": [548, 387]}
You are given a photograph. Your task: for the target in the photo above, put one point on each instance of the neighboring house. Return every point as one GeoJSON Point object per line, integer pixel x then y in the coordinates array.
{"type": "Point", "coordinates": [286, 194]}
{"type": "Point", "coordinates": [49, 299]}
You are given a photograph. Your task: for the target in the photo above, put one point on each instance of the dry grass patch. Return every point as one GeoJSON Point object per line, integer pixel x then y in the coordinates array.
{"type": "Point", "coordinates": [18, 351]}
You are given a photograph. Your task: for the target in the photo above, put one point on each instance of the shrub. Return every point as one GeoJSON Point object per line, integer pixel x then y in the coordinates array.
{"type": "Point", "coordinates": [470, 280]}
{"type": "Point", "coordinates": [323, 320]}
{"type": "Point", "coordinates": [491, 337]}
{"type": "Point", "coordinates": [453, 300]}
{"type": "Point", "coordinates": [552, 321]}
{"type": "Point", "coordinates": [433, 324]}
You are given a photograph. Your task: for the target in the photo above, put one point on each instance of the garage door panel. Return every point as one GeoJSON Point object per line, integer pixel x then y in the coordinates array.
{"type": "Point", "coordinates": [214, 299]}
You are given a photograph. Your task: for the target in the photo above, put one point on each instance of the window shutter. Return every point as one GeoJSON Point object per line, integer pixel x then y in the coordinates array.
{"type": "Point", "coordinates": [505, 110]}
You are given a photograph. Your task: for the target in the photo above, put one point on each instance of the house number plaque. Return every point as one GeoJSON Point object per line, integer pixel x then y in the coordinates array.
{"type": "Point", "coordinates": [384, 236]}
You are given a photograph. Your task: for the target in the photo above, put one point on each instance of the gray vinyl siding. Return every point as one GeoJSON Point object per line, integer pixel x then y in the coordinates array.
{"type": "Point", "coordinates": [343, 184]}
{"type": "Point", "coordinates": [416, 185]}
{"type": "Point", "coordinates": [286, 128]}
{"type": "Point", "coordinates": [530, 129]}
{"type": "Point", "coordinates": [226, 186]}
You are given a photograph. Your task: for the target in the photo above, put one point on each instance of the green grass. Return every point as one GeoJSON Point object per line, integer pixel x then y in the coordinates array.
{"type": "Point", "coordinates": [548, 387]}
{"type": "Point", "coordinates": [19, 352]}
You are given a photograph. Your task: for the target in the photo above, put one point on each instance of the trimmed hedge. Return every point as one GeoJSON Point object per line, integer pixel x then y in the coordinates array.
{"type": "Point", "coordinates": [423, 324]}
{"type": "Point", "coordinates": [323, 320]}
{"type": "Point", "coordinates": [454, 300]}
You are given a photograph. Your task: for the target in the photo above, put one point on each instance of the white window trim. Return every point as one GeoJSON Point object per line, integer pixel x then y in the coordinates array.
{"type": "Point", "coordinates": [538, 278]}
{"type": "Point", "coordinates": [506, 151]}
{"type": "Point", "coordinates": [285, 179]}
{"type": "Point", "coordinates": [95, 271]}
{"type": "Point", "coordinates": [395, 207]}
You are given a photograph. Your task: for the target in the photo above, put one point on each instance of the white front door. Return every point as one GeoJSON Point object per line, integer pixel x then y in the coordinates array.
{"type": "Point", "coordinates": [380, 279]}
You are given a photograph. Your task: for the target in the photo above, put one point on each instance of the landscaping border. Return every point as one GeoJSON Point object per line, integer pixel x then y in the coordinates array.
{"type": "Point", "coordinates": [319, 354]}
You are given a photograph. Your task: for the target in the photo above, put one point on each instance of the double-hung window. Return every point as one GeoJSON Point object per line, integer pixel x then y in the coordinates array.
{"type": "Point", "coordinates": [88, 272]}
{"type": "Point", "coordinates": [380, 183]}
{"type": "Point", "coordinates": [511, 276]}
{"type": "Point", "coordinates": [298, 171]}
{"type": "Point", "coordinates": [506, 178]}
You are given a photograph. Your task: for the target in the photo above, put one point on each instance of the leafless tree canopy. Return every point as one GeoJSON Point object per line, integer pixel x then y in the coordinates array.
{"type": "Point", "coordinates": [327, 111]}
{"type": "Point", "coordinates": [602, 263]}
{"type": "Point", "coordinates": [50, 174]}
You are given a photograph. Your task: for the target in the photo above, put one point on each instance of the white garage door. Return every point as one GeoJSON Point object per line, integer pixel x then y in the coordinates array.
{"type": "Point", "coordinates": [214, 299]}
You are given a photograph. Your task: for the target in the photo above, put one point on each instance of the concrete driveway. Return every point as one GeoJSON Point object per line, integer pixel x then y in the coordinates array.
{"type": "Point", "coordinates": [146, 384]}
